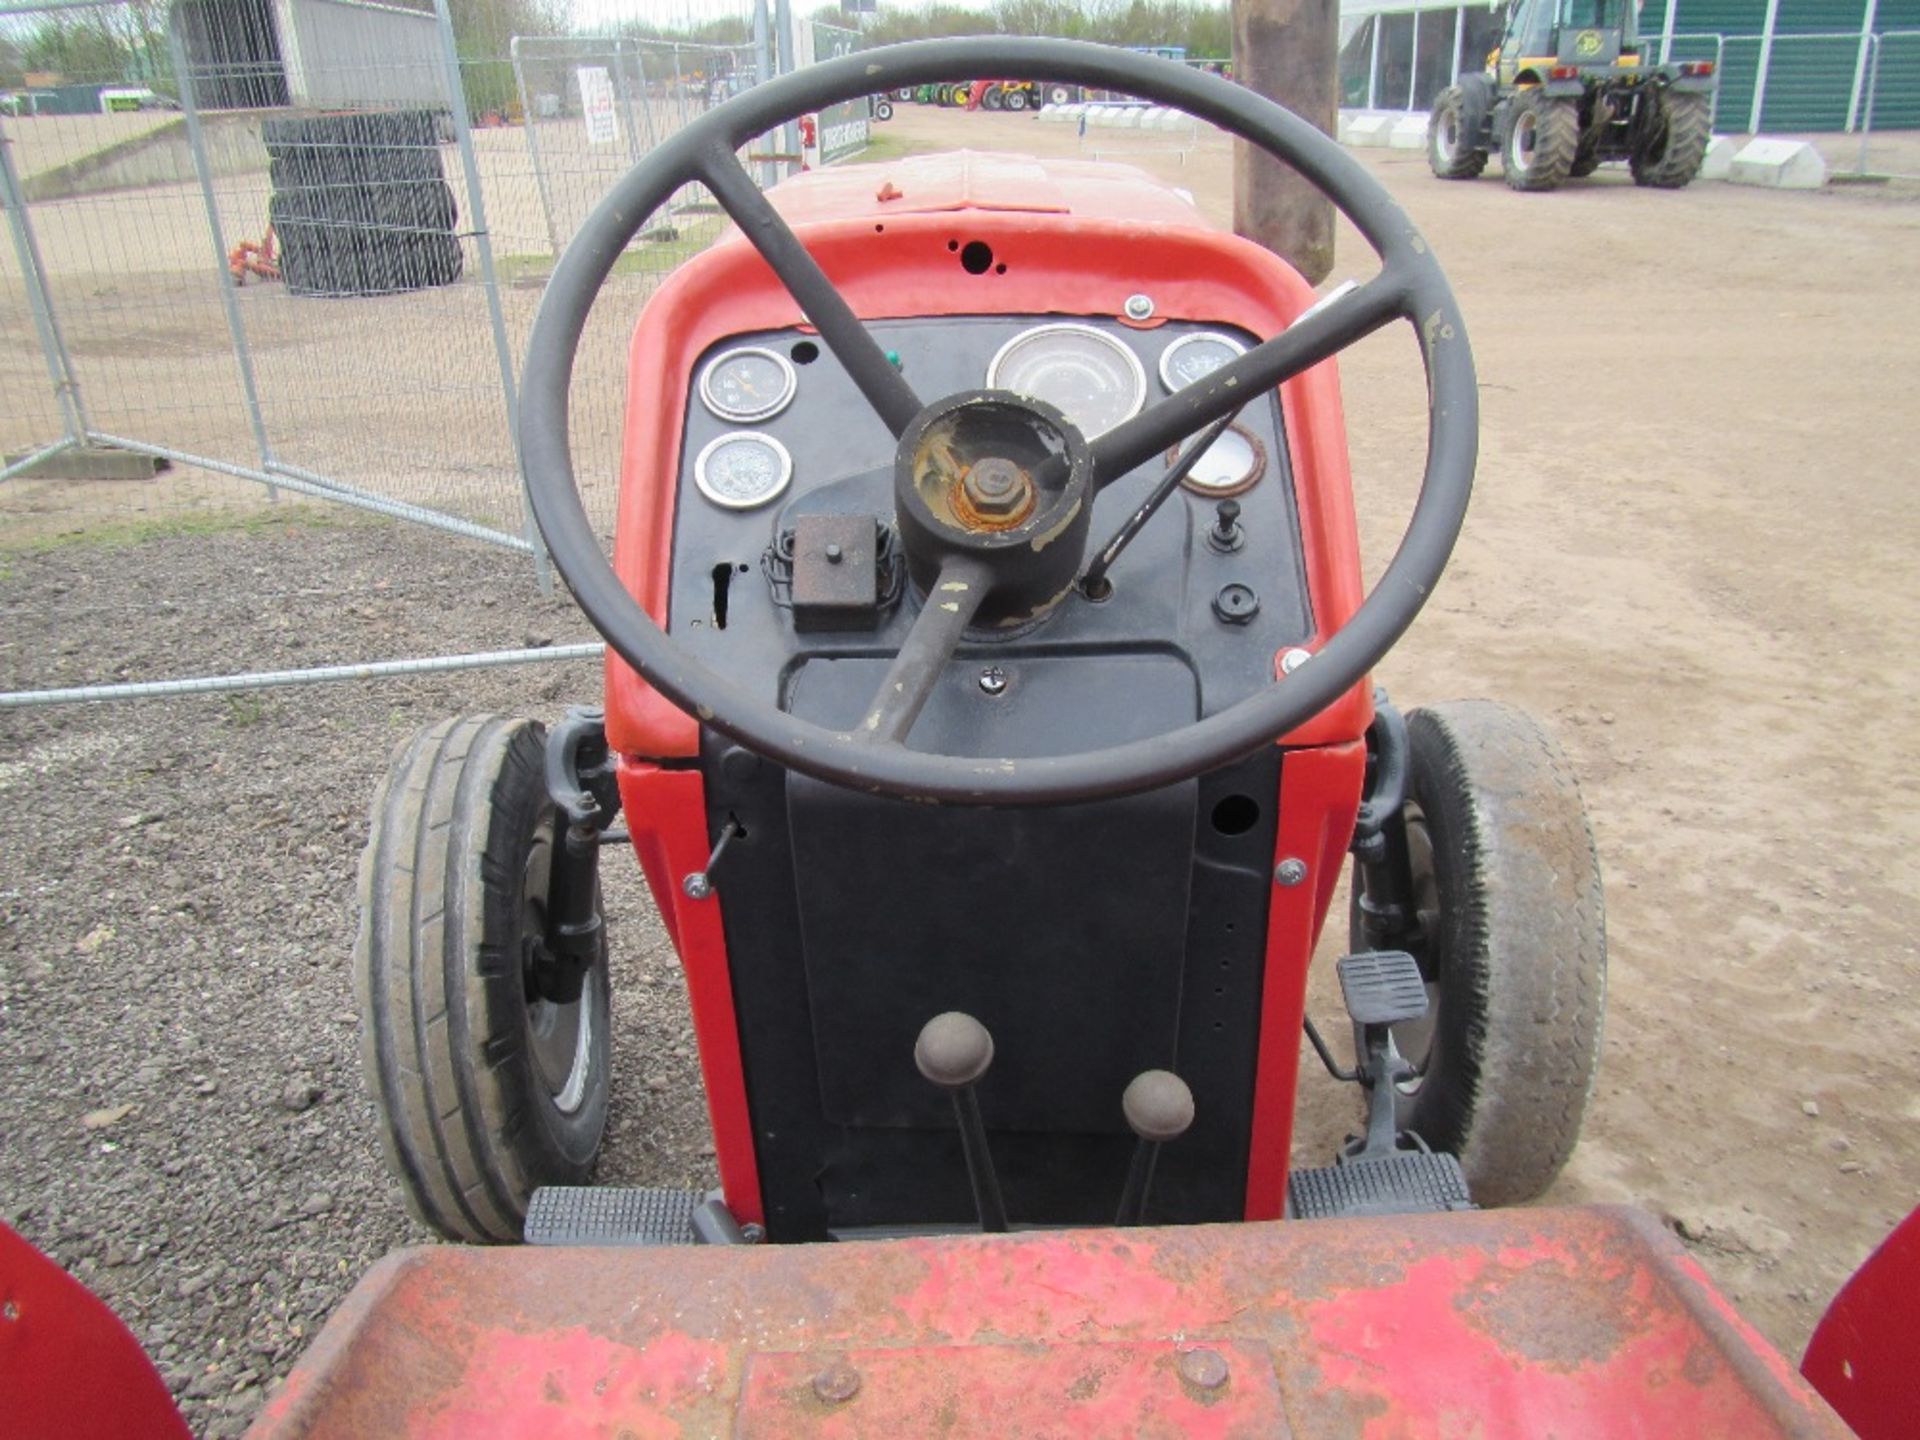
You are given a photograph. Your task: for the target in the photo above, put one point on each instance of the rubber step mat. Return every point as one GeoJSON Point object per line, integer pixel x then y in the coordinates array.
{"type": "Point", "coordinates": [1411, 1182]}
{"type": "Point", "coordinates": [610, 1215]}
{"type": "Point", "coordinates": [1382, 987]}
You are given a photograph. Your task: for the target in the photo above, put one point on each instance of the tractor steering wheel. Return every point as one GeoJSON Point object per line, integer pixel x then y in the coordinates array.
{"type": "Point", "coordinates": [967, 567]}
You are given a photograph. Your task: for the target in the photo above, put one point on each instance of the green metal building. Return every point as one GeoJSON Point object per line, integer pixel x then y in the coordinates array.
{"type": "Point", "coordinates": [1785, 66]}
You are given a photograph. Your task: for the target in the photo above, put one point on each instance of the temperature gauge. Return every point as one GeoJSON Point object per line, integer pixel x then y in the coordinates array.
{"type": "Point", "coordinates": [748, 384]}
{"type": "Point", "coordinates": [742, 470]}
{"type": "Point", "coordinates": [1234, 463]}
{"type": "Point", "coordinates": [1192, 358]}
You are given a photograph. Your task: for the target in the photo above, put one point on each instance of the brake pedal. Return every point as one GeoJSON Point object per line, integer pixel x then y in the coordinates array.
{"type": "Point", "coordinates": [610, 1215]}
{"type": "Point", "coordinates": [1409, 1182]}
{"type": "Point", "coordinates": [1383, 987]}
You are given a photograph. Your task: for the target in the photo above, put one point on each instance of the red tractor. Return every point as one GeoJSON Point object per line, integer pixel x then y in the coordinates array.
{"type": "Point", "coordinates": [990, 710]}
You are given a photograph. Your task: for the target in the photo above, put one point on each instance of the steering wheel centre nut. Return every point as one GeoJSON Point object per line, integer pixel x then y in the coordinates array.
{"type": "Point", "coordinates": [995, 494]}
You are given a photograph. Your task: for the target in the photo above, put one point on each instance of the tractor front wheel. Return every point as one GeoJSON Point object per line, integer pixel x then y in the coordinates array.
{"type": "Point", "coordinates": [486, 1089]}
{"type": "Point", "coordinates": [1453, 150]}
{"type": "Point", "coordinates": [1672, 148]}
{"type": "Point", "coordinates": [1016, 99]}
{"type": "Point", "coordinates": [1510, 932]}
{"type": "Point", "coordinates": [1542, 140]}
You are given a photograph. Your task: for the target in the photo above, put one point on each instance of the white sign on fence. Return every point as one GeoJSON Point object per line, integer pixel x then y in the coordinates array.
{"type": "Point", "coordinates": [596, 103]}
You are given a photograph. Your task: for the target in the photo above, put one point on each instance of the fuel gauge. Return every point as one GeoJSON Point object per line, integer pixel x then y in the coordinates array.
{"type": "Point", "coordinates": [1192, 358]}
{"type": "Point", "coordinates": [747, 384]}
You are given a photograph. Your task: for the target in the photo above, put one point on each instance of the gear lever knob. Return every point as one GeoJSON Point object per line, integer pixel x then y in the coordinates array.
{"type": "Point", "coordinates": [954, 1050]}
{"type": "Point", "coordinates": [1158, 1106]}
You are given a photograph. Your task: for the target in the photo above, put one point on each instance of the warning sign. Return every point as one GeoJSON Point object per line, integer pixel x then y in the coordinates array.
{"type": "Point", "coordinates": [596, 103]}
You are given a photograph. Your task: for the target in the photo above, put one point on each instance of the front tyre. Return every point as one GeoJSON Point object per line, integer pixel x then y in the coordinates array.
{"type": "Point", "coordinates": [1511, 935]}
{"type": "Point", "coordinates": [1016, 99]}
{"type": "Point", "coordinates": [1672, 149]}
{"type": "Point", "coordinates": [1453, 151]}
{"type": "Point", "coordinates": [485, 1089]}
{"type": "Point", "coordinates": [1541, 141]}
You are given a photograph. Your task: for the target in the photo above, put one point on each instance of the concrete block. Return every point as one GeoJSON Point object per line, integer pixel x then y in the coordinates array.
{"type": "Point", "coordinates": [1409, 132]}
{"type": "Point", "coordinates": [1174, 120]}
{"type": "Point", "coordinates": [1717, 164]}
{"type": "Point", "coordinates": [1370, 129]}
{"type": "Point", "coordinates": [1129, 118]}
{"type": "Point", "coordinates": [1780, 165]}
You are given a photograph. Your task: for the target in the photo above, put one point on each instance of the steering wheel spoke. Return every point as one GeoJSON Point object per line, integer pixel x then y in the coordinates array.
{"type": "Point", "coordinates": [918, 664]}
{"type": "Point", "coordinates": [1319, 334]}
{"type": "Point", "coordinates": [879, 379]}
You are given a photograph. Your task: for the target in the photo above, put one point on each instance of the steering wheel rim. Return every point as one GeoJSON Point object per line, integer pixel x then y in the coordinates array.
{"type": "Point", "coordinates": [1410, 286]}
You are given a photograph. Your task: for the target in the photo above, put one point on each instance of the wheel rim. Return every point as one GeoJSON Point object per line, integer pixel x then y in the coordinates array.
{"type": "Point", "coordinates": [559, 1037]}
{"type": "Point", "coordinates": [1415, 1040]}
{"type": "Point", "coordinates": [1525, 132]}
{"type": "Point", "coordinates": [1448, 135]}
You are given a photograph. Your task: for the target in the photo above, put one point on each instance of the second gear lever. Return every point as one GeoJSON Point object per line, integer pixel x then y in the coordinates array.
{"type": "Point", "coordinates": [954, 1051]}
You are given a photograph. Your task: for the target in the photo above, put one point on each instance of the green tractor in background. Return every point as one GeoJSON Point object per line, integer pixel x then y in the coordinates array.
{"type": "Point", "coordinates": [1568, 89]}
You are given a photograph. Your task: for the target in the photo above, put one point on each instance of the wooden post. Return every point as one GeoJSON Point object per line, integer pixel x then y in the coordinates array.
{"type": "Point", "coordinates": [1287, 50]}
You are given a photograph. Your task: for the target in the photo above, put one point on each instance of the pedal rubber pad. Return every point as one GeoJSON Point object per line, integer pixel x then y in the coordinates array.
{"type": "Point", "coordinates": [610, 1215]}
{"type": "Point", "coordinates": [1410, 1182]}
{"type": "Point", "coordinates": [1382, 987]}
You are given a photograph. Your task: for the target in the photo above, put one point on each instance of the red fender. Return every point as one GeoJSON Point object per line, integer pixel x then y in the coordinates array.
{"type": "Point", "coordinates": [1862, 1355]}
{"type": "Point", "coordinates": [68, 1367]}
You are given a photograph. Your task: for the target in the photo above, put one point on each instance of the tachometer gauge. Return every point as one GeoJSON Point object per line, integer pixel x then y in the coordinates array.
{"type": "Point", "coordinates": [1089, 376]}
{"type": "Point", "coordinates": [742, 469]}
{"type": "Point", "coordinates": [748, 384]}
{"type": "Point", "coordinates": [1233, 463]}
{"type": "Point", "coordinates": [1194, 357]}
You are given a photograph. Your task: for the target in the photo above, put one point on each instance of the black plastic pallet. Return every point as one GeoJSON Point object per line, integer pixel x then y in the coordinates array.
{"type": "Point", "coordinates": [1411, 1182]}
{"type": "Point", "coordinates": [610, 1215]}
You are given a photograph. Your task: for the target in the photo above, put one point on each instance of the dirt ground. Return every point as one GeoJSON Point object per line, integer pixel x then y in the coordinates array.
{"type": "Point", "coordinates": [1688, 554]}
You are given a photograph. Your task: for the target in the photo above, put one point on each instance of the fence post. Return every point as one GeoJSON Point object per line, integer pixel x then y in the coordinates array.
{"type": "Point", "coordinates": [53, 345]}
{"type": "Point", "coordinates": [626, 100]}
{"type": "Point", "coordinates": [1860, 63]}
{"type": "Point", "coordinates": [1666, 31]}
{"type": "Point", "coordinates": [1765, 63]}
{"type": "Point", "coordinates": [1459, 43]}
{"type": "Point", "coordinates": [236, 327]}
{"type": "Point", "coordinates": [490, 282]}
{"type": "Point", "coordinates": [1873, 92]}
{"type": "Point", "coordinates": [1373, 64]}
{"type": "Point", "coordinates": [533, 140]}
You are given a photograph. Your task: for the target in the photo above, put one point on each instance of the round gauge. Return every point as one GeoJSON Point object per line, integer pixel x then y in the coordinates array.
{"type": "Point", "coordinates": [742, 469]}
{"type": "Point", "coordinates": [748, 384]}
{"type": "Point", "coordinates": [1089, 376]}
{"type": "Point", "coordinates": [1233, 463]}
{"type": "Point", "coordinates": [1194, 357]}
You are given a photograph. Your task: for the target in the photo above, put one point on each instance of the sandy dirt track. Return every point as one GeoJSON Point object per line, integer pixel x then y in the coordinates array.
{"type": "Point", "coordinates": [1688, 554]}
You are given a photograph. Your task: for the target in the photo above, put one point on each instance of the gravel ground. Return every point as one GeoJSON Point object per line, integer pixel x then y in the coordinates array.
{"type": "Point", "coordinates": [183, 1122]}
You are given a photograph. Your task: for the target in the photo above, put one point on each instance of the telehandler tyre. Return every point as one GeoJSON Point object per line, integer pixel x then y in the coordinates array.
{"type": "Point", "coordinates": [1513, 943]}
{"type": "Point", "coordinates": [485, 1090]}
{"type": "Point", "coordinates": [1451, 133]}
{"type": "Point", "coordinates": [1673, 149]}
{"type": "Point", "coordinates": [1541, 141]}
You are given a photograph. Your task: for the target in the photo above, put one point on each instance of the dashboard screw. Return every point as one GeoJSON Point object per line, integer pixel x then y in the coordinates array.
{"type": "Point", "coordinates": [1139, 307]}
{"type": "Point", "coordinates": [993, 680]}
{"type": "Point", "coordinates": [1294, 659]}
{"type": "Point", "coordinates": [1290, 872]}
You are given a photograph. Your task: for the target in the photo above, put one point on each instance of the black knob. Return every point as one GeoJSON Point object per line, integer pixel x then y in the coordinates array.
{"type": "Point", "coordinates": [953, 1051]}
{"type": "Point", "coordinates": [1158, 1106]}
{"type": "Point", "coordinates": [1226, 517]}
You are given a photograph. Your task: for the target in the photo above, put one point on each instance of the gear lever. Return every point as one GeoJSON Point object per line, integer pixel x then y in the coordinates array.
{"type": "Point", "coordinates": [1159, 1107]}
{"type": "Point", "coordinates": [954, 1051]}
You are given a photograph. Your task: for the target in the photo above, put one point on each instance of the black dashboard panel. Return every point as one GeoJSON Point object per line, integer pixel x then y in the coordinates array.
{"type": "Point", "coordinates": [1093, 940]}
{"type": "Point", "coordinates": [726, 609]}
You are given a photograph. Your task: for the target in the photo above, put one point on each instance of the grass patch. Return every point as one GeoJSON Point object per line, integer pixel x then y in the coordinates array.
{"type": "Point", "coordinates": [656, 252]}
{"type": "Point", "coordinates": [122, 534]}
{"type": "Point", "coordinates": [884, 145]}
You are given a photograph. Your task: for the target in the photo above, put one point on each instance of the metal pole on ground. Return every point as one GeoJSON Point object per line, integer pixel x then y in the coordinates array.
{"type": "Point", "coordinates": [1873, 92]}
{"type": "Point", "coordinates": [53, 345]}
{"type": "Point", "coordinates": [1373, 63]}
{"type": "Point", "coordinates": [626, 102]}
{"type": "Point", "coordinates": [489, 280]}
{"type": "Point", "coordinates": [1287, 50]}
{"type": "Point", "coordinates": [236, 327]}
